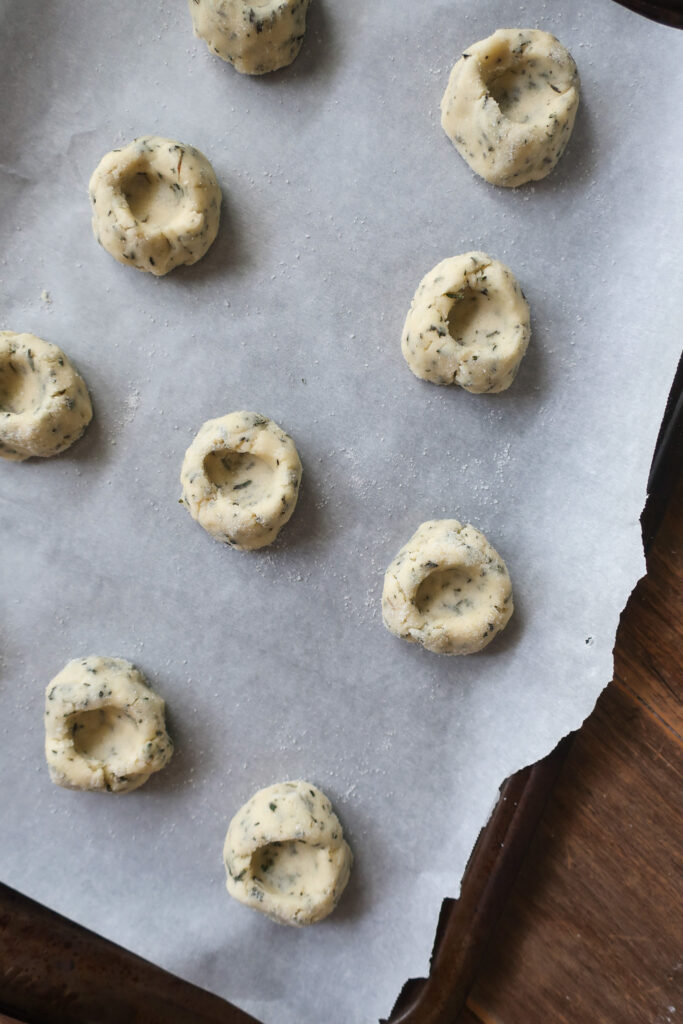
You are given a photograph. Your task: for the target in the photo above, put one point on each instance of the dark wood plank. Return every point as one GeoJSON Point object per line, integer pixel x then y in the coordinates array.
{"type": "Point", "coordinates": [649, 654]}
{"type": "Point", "coordinates": [667, 13]}
{"type": "Point", "coordinates": [53, 971]}
{"type": "Point", "coordinates": [592, 932]}
{"type": "Point", "coordinates": [465, 924]}
{"type": "Point", "coordinates": [465, 1017]}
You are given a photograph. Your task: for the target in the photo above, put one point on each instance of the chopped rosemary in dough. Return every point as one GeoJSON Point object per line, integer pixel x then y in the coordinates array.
{"type": "Point", "coordinates": [285, 854]}
{"type": "Point", "coordinates": [104, 727]}
{"type": "Point", "coordinates": [510, 105]}
{"type": "Point", "coordinates": [155, 204]}
{"type": "Point", "coordinates": [447, 589]}
{"type": "Point", "coordinates": [468, 324]}
{"type": "Point", "coordinates": [240, 479]}
{"type": "Point", "coordinates": [255, 36]}
{"type": "Point", "coordinates": [44, 403]}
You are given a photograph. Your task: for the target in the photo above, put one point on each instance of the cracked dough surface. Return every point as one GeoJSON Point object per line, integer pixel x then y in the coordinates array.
{"type": "Point", "coordinates": [240, 479]}
{"type": "Point", "coordinates": [468, 324]}
{"type": "Point", "coordinates": [510, 105]}
{"type": "Point", "coordinates": [104, 727]}
{"type": "Point", "coordinates": [285, 854]}
{"type": "Point", "coordinates": [155, 204]}
{"type": "Point", "coordinates": [447, 589]}
{"type": "Point", "coordinates": [44, 403]}
{"type": "Point", "coordinates": [255, 37]}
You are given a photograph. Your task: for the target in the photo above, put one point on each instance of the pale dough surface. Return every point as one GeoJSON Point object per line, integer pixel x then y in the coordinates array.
{"type": "Point", "coordinates": [44, 403]}
{"type": "Point", "coordinates": [255, 37]}
{"type": "Point", "coordinates": [285, 854]}
{"type": "Point", "coordinates": [240, 479]}
{"type": "Point", "coordinates": [447, 589]}
{"type": "Point", "coordinates": [468, 324]}
{"type": "Point", "coordinates": [510, 105]}
{"type": "Point", "coordinates": [104, 727]}
{"type": "Point", "coordinates": [155, 204]}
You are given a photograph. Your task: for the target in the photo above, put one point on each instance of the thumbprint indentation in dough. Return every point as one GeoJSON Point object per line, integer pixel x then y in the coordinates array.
{"type": "Point", "coordinates": [285, 854]}
{"type": "Point", "coordinates": [447, 589]}
{"type": "Point", "coordinates": [152, 198]}
{"type": "Point", "coordinates": [105, 729]}
{"type": "Point", "coordinates": [468, 324]}
{"type": "Point", "coordinates": [473, 318]}
{"type": "Point", "coordinates": [20, 389]}
{"type": "Point", "coordinates": [240, 476]}
{"type": "Point", "coordinates": [445, 593]}
{"type": "Point", "coordinates": [281, 868]}
{"type": "Point", "coordinates": [524, 91]}
{"type": "Point", "coordinates": [105, 734]}
{"type": "Point", "coordinates": [510, 105]}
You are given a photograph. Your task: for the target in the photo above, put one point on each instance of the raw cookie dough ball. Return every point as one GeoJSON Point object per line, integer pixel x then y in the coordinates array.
{"type": "Point", "coordinates": [468, 324]}
{"type": "Point", "coordinates": [447, 589]}
{"type": "Point", "coordinates": [285, 854]}
{"type": "Point", "coordinates": [255, 36]}
{"type": "Point", "coordinates": [510, 105]}
{"type": "Point", "coordinates": [240, 478]}
{"type": "Point", "coordinates": [44, 403]}
{"type": "Point", "coordinates": [156, 204]}
{"type": "Point", "coordinates": [104, 727]}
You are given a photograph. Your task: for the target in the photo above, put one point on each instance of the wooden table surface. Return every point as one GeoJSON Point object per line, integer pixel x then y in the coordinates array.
{"type": "Point", "coordinates": [593, 930]}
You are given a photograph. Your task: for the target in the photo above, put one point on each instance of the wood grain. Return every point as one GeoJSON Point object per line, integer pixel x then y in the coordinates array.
{"type": "Point", "coordinates": [667, 13]}
{"type": "Point", "coordinates": [53, 971]}
{"type": "Point", "coordinates": [593, 929]}
{"type": "Point", "coordinates": [649, 654]}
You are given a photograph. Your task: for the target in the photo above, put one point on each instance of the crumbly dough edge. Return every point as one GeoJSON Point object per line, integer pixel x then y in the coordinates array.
{"type": "Point", "coordinates": [241, 432]}
{"type": "Point", "coordinates": [305, 813]}
{"type": "Point", "coordinates": [427, 346]}
{"type": "Point", "coordinates": [500, 150]}
{"type": "Point", "coordinates": [65, 410]}
{"type": "Point", "coordinates": [154, 249]}
{"type": "Point", "coordinates": [433, 548]}
{"type": "Point", "coordinates": [253, 41]}
{"type": "Point", "coordinates": [94, 683]}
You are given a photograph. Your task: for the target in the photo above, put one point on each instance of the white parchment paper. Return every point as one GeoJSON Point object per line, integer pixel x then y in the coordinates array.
{"type": "Point", "coordinates": [341, 191]}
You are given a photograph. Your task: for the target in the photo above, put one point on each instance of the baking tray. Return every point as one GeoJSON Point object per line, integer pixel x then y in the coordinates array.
{"type": "Point", "coordinates": [53, 971]}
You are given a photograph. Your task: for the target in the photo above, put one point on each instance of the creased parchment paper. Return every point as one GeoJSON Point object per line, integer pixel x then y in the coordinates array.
{"type": "Point", "coordinates": [340, 192]}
